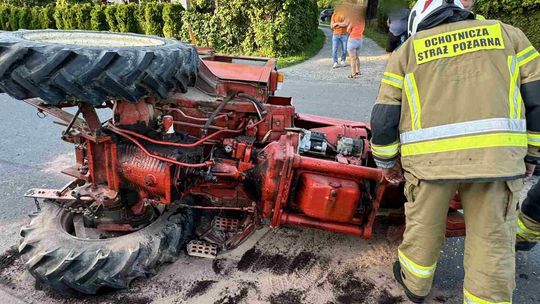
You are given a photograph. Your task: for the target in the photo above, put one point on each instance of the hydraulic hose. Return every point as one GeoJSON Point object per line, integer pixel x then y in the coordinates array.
{"type": "Point", "coordinates": [164, 159]}
{"type": "Point", "coordinates": [216, 112]}
{"type": "Point", "coordinates": [173, 144]}
{"type": "Point", "coordinates": [257, 103]}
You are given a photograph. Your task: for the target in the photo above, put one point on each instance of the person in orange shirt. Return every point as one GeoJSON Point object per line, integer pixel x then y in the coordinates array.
{"type": "Point", "coordinates": [339, 38]}
{"type": "Point", "coordinates": [355, 29]}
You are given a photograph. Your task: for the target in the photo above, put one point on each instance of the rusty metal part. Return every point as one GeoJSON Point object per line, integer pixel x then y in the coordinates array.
{"type": "Point", "coordinates": [246, 209]}
{"type": "Point", "coordinates": [455, 226]}
{"type": "Point", "coordinates": [63, 194]}
{"type": "Point", "coordinates": [225, 224]}
{"type": "Point", "coordinates": [57, 112]}
{"type": "Point", "coordinates": [144, 173]}
{"type": "Point", "coordinates": [72, 122]}
{"type": "Point", "coordinates": [330, 167]}
{"type": "Point", "coordinates": [126, 113]}
{"type": "Point", "coordinates": [164, 159]}
{"type": "Point", "coordinates": [202, 249]}
{"type": "Point", "coordinates": [301, 220]}
{"type": "Point", "coordinates": [99, 194]}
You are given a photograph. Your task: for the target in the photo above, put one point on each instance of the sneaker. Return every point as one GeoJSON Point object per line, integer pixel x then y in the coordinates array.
{"type": "Point", "coordinates": [397, 275]}
{"type": "Point", "coordinates": [335, 66]}
{"type": "Point", "coordinates": [343, 63]}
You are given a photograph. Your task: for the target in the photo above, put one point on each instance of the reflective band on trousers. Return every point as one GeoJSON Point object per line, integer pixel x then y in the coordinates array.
{"type": "Point", "coordinates": [465, 143]}
{"type": "Point", "coordinates": [393, 79]}
{"type": "Point", "coordinates": [411, 90]}
{"type": "Point", "coordinates": [527, 55]}
{"type": "Point", "coordinates": [387, 151]}
{"type": "Point", "coordinates": [514, 96]}
{"type": "Point", "coordinates": [526, 233]}
{"type": "Point", "coordinates": [466, 128]}
{"type": "Point", "coordinates": [534, 139]}
{"type": "Point", "coordinates": [419, 271]}
{"type": "Point", "coordinates": [468, 298]}
{"type": "Point", "coordinates": [385, 164]}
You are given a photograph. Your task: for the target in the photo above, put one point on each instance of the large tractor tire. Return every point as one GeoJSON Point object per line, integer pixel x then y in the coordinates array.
{"type": "Point", "coordinates": [57, 257]}
{"type": "Point", "coordinates": [92, 67]}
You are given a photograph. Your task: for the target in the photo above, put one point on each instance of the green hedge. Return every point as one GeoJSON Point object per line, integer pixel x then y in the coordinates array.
{"type": "Point", "coordinates": [523, 14]}
{"type": "Point", "coordinates": [258, 27]}
{"type": "Point", "coordinates": [322, 4]}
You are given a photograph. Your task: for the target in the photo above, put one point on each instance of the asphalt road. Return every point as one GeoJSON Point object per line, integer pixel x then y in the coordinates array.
{"type": "Point", "coordinates": [31, 154]}
{"type": "Point", "coordinates": [30, 149]}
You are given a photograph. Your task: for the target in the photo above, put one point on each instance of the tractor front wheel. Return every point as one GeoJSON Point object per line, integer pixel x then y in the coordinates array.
{"type": "Point", "coordinates": [56, 256]}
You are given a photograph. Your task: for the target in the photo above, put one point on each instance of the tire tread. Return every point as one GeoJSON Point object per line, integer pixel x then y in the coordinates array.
{"type": "Point", "coordinates": [68, 264]}
{"type": "Point", "coordinates": [59, 73]}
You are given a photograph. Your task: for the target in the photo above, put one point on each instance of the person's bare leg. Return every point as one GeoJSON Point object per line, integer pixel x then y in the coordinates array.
{"type": "Point", "coordinates": [354, 65]}
{"type": "Point", "coordinates": [358, 63]}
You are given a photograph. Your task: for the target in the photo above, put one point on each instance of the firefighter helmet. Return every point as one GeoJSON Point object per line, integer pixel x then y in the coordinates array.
{"type": "Point", "coordinates": [425, 10]}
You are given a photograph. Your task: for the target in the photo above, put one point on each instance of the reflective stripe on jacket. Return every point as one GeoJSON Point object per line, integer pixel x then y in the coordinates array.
{"type": "Point", "coordinates": [479, 17]}
{"type": "Point", "coordinates": [460, 101]}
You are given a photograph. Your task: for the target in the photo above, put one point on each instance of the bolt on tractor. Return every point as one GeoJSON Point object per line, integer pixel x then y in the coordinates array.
{"type": "Point", "coordinates": [178, 149]}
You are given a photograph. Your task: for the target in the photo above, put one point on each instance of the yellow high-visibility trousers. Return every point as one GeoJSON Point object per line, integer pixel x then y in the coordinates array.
{"type": "Point", "coordinates": [528, 229]}
{"type": "Point", "coordinates": [490, 210]}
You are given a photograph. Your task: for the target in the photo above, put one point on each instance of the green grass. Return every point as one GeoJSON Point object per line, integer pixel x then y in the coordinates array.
{"type": "Point", "coordinates": [311, 50]}
{"type": "Point", "coordinates": [377, 35]}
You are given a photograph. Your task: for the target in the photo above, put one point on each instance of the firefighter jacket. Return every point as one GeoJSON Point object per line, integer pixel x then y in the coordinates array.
{"type": "Point", "coordinates": [460, 101]}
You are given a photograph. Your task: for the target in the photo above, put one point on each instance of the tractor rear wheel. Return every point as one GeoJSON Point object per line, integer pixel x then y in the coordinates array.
{"type": "Point", "coordinates": [57, 257]}
{"type": "Point", "coordinates": [92, 67]}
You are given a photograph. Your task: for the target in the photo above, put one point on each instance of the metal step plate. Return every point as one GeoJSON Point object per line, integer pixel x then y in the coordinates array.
{"type": "Point", "coordinates": [225, 224]}
{"type": "Point", "coordinates": [202, 249]}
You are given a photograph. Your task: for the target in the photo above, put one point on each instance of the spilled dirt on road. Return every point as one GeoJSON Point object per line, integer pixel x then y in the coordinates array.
{"type": "Point", "coordinates": [286, 266]}
{"type": "Point", "coordinates": [7, 261]}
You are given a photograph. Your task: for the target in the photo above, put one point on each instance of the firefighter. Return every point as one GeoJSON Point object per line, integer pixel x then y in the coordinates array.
{"type": "Point", "coordinates": [458, 110]}
{"type": "Point", "coordinates": [528, 231]}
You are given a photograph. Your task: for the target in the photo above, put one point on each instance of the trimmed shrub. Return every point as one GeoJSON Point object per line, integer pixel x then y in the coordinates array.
{"type": "Point", "coordinates": [69, 21]}
{"type": "Point", "coordinates": [83, 16]}
{"type": "Point", "coordinates": [322, 4]}
{"type": "Point", "coordinates": [110, 17]}
{"type": "Point", "coordinates": [25, 17]}
{"type": "Point", "coordinates": [46, 17]}
{"type": "Point", "coordinates": [230, 39]}
{"type": "Point", "coordinates": [4, 17]}
{"type": "Point", "coordinates": [199, 23]}
{"type": "Point", "coordinates": [522, 14]}
{"type": "Point", "coordinates": [34, 18]}
{"type": "Point", "coordinates": [97, 19]}
{"type": "Point", "coordinates": [57, 15]}
{"type": "Point", "coordinates": [13, 18]}
{"type": "Point", "coordinates": [139, 14]}
{"type": "Point", "coordinates": [154, 18]}
{"type": "Point", "coordinates": [283, 27]}
{"type": "Point", "coordinates": [256, 27]}
{"type": "Point", "coordinates": [126, 18]}
{"type": "Point", "coordinates": [172, 17]}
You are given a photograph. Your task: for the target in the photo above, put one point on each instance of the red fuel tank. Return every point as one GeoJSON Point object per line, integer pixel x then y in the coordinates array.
{"type": "Point", "coordinates": [328, 198]}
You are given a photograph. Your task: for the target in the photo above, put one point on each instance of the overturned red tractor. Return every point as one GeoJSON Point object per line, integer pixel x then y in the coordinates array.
{"type": "Point", "coordinates": [178, 149]}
